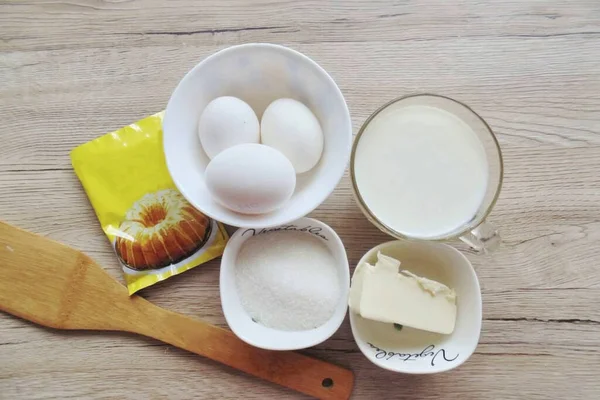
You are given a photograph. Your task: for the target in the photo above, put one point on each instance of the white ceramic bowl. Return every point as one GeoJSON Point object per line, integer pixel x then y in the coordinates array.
{"type": "Point", "coordinates": [414, 351]}
{"type": "Point", "coordinates": [258, 74]}
{"type": "Point", "coordinates": [272, 339]}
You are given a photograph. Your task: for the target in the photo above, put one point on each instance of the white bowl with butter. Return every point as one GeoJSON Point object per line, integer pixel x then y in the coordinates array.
{"type": "Point", "coordinates": [415, 351]}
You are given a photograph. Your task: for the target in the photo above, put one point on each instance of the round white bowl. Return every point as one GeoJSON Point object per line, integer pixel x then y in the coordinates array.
{"type": "Point", "coordinates": [414, 351]}
{"type": "Point", "coordinates": [268, 338]}
{"type": "Point", "coordinates": [257, 74]}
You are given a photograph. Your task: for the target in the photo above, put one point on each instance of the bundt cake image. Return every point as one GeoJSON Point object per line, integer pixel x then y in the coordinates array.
{"type": "Point", "coordinates": [161, 229]}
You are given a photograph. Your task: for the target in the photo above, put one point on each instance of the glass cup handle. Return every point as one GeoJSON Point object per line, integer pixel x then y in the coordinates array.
{"type": "Point", "coordinates": [483, 238]}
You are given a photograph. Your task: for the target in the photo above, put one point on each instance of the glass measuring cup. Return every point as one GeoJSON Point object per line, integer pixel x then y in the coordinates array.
{"type": "Point", "coordinates": [474, 231]}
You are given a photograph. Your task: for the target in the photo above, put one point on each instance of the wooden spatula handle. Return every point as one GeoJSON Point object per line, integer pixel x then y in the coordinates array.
{"type": "Point", "coordinates": [59, 287]}
{"type": "Point", "coordinates": [305, 374]}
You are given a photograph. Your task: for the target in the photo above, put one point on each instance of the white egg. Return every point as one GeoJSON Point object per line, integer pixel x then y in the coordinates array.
{"type": "Point", "coordinates": [290, 127]}
{"type": "Point", "coordinates": [225, 122]}
{"type": "Point", "coordinates": [251, 178]}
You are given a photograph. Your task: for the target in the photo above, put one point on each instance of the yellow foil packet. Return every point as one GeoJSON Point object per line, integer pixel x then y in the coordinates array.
{"type": "Point", "coordinates": [155, 232]}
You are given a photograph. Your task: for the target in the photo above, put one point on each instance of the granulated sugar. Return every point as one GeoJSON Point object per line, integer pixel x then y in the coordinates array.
{"type": "Point", "coordinates": [287, 280]}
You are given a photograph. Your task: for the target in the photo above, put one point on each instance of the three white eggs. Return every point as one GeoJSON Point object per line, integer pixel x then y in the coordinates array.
{"type": "Point", "coordinates": [253, 165]}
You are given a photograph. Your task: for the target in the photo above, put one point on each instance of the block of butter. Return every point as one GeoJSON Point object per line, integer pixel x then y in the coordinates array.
{"type": "Point", "coordinates": [383, 293]}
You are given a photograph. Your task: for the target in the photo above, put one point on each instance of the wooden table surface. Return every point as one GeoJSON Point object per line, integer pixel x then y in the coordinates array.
{"type": "Point", "coordinates": [73, 70]}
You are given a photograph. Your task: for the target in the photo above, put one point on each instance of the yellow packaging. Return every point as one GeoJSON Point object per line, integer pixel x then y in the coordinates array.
{"type": "Point", "coordinates": [154, 231]}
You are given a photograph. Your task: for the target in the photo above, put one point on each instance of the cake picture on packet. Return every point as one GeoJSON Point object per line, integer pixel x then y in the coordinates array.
{"type": "Point", "coordinates": [152, 228]}
{"type": "Point", "coordinates": [161, 229]}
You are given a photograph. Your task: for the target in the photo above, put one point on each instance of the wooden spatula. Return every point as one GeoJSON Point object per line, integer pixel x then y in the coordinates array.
{"type": "Point", "coordinates": [54, 285]}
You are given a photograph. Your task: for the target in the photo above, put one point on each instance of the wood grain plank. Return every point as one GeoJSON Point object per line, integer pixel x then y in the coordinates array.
{"type": "Point", "coordinates": [134, 23]}
{"type": "Point", "coordinates": [70, 96]}
{"type": "Point", "coordinates": [121, 369]}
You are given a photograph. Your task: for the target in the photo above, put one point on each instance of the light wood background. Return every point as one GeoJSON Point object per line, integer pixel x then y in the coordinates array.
{"type": "Point", "coordinates": [73, 70]}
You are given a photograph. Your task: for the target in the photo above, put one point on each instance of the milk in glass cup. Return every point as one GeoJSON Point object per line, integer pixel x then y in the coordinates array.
{"type": "Point", "coordinates": [427, 167]}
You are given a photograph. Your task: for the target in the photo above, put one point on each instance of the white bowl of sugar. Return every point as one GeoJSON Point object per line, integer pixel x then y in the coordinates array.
{"type": "Point", "coordinates": [285, 288]}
